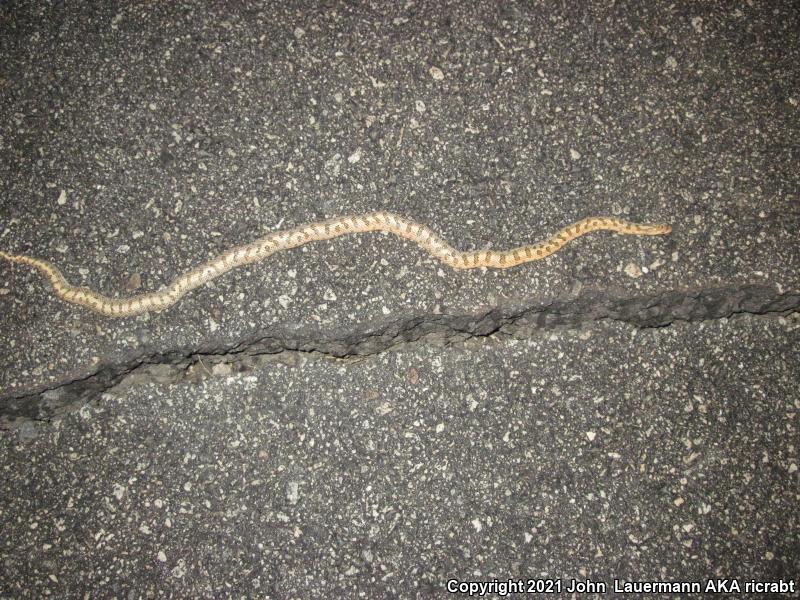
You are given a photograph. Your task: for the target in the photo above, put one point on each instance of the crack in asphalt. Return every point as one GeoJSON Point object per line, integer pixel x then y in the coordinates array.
{"type": "Point", "coordinates": [518, 321]}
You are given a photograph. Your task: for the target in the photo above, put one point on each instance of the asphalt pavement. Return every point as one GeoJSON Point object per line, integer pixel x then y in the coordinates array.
{"type": "Point", "coordinates": [352, 418]}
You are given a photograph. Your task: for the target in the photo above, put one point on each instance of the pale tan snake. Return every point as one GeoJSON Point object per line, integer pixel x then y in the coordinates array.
{"type": "Point", "coordinates": [324, 230]}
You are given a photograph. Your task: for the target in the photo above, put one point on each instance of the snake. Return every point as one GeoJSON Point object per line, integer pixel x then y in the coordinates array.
{"type": "Point", "coordinates": [277, 241]}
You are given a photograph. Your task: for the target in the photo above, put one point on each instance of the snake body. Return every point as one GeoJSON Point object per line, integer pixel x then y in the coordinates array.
{"type": "Point", "coordinates": [264, 247]}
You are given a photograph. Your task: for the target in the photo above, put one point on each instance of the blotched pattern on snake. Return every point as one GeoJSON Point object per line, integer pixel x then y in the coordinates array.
{"type": "Point", "coordinates": [325, 230]}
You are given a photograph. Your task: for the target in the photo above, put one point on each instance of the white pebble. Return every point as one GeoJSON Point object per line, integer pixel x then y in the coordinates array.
{"type": "Point", "coordinates": [436, 73]}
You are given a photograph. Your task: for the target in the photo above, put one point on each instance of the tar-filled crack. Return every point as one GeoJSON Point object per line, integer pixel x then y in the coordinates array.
{"type": "Point", "coordinates": [519, 321]}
